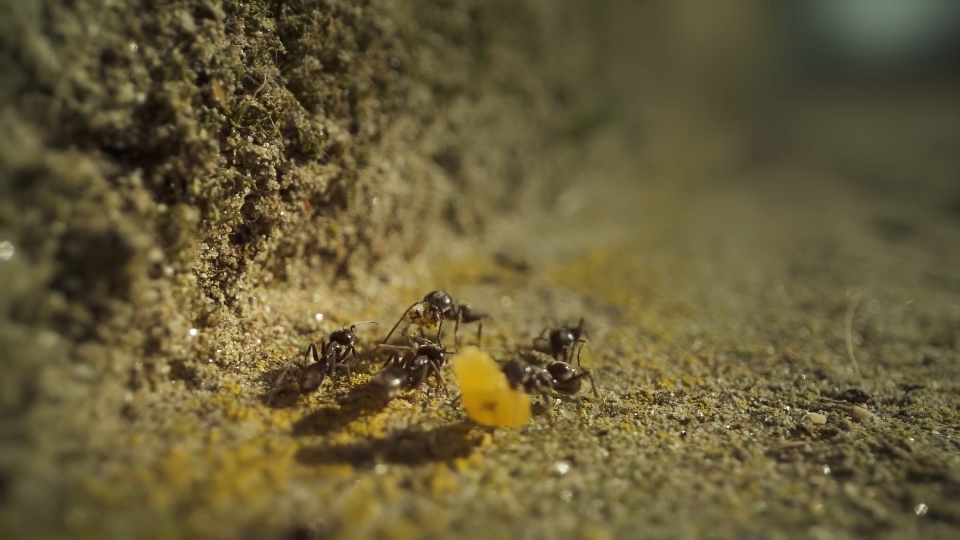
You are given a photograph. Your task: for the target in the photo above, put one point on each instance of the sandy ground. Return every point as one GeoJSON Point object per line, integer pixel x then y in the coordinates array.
{"type": "Point", "coordinates": [722, 309]}
{"type": "Point", "coordinates": [773, 312]}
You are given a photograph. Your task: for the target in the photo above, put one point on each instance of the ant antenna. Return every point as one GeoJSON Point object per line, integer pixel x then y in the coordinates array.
{"type": "Point", "coordinates": [355, 325]}
{"type": "Point", "coordinates": [581, 329]}
{"type": "Point", "coordinates": [580, 350]}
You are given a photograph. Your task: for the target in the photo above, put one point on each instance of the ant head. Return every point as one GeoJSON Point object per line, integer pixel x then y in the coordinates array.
{"type": "Point", "coordinates": [563, 337]}
{"type": "Point", "coordinates": [439, 301]}
{"type": "Point", "coordinates": [433, 352]}
{"type": "Point", "coordinates": [345, 336]}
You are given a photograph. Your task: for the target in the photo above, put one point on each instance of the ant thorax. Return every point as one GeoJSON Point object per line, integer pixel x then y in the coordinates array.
{"type": "Point", "coordinates": [563, 338]}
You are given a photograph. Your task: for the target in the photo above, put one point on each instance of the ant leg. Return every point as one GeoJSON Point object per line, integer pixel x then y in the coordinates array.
{"type": "Point", "coordinates": [436, 372]}
{"type": "Point", "coordinates": [582, 331]}
{"type": "Point", "coordinates": [312, 349]}
{"type": "Point", "coordinates": [586, 373]}
{"type": "Point", "coordinates": [480, 334]}
{"type": "Point", "coordinates": [277, 385]}
{"type": "Point", "coordinates": [351, 353]}
{"type": "Point", "coordinates": [548, 405]}
{"type": "Point", "coordinates": [456, 326]}
{"type": "Point", "coordinates": [392, 359]}
{"type": "Point", "coordinates": [332, 370]}
{"type": "Point", "coordinates": [420, 381]}
{"type": "Point", "coordinates": [593, 385]}
{"type": "Point", "coordinates": [548, 400]}
{"type": "Point", "coordinates": [579, 350]}
{"type": "Point", "coordinates": [386, 339]}
{"type": "Point", "coordinates": [311, 375]}
{"type": "Point", "coordinates": [423, 335]}
{"type": "Point", "coordinates": [542, 332]}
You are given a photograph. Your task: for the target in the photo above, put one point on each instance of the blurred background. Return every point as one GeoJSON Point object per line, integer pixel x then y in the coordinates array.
{"type": "Point", "coordinates": [859, 93]}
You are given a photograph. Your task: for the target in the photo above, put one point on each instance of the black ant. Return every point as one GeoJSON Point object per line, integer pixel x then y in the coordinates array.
{"type": "Point", "coordinates": [561, 341]}
{"type": "Point", "coordinates": [436, 307]}
{"type": "Point", "coordinates": [557, 375]}
{"type": "Point", "coordinates": [341, 345]}
{"type": "Point", "coordinates": [408, 370]}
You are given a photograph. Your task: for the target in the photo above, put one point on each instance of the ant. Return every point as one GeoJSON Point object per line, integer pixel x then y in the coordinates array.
{"type": "Point", "coordinates": [557, 375]}
{"type": "Point", "coordinates": [410, 369]}
{"type": "Point", "coordinates": [436, 307]}
{"type": "Point", "coordinates": [341, 345]}
{"type": "Point", "coordinates": [561, 341]}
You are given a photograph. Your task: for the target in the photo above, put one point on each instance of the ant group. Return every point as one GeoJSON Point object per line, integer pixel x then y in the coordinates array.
{"type": "Point", "coordinates": [342, 345]}
{"type": "Point", "coordinates": [556, 371]}
{"type": "Point", "coordinates": [555, 375]}
{"type": "Point", "coordinates": [546, 367]}
{"type": "Point", "coordinates": [409, 369]}
{"type": "Point", "coordinates": [436, 307]}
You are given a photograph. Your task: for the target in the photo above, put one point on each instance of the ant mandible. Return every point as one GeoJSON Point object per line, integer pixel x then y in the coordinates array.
{"type": "Point", "coordinates": [436, 307]}
{"type": "Point", "coordinates": [341, 345]}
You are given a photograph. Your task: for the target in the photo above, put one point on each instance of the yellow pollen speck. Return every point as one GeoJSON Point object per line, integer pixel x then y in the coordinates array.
{"type": "Point", "coordinates": [487, 396]}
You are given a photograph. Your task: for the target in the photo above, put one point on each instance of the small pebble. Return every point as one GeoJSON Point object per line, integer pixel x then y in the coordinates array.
{"type": "Point", "coordinates": [6, 250]}
{"type": "Point", "coordinates": [860, 413]}
{"type": "Point", "coordinates": [561, 468]}
{"type": "Point", "coordinates": [921, 509]}
{"type": "Point", "coordinates": [817, 418]}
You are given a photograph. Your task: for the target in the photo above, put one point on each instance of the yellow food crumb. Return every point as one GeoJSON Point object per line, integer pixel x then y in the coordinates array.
{"type": "Point", "coordinates": [487, 396]}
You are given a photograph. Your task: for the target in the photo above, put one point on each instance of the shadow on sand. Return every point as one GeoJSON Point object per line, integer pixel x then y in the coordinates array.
{"type": "Point", "coordinates": [282, 390]}
{"type": "Point", "coordinates": [362, 400]}
{"type": "Point", "coordinates": [407, 447]}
